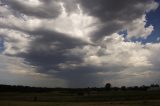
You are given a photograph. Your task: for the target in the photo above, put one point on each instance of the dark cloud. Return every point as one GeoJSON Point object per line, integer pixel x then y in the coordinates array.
{"type": "Point", "coordinates": [114, 14]}
{"type": "Point", "coordinates": [47, 8]}
{"type": "Point", "coordinates": [108, 10]}
{"type": "Point", "coordinates": [87, 76]}
{"type": "Point", "coordinates": [81, 77]}
{"type": "Point", "coordinates": [48, 49]}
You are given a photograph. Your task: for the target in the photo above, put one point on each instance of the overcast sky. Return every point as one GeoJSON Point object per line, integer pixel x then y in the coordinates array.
{"type": "Point", "coordinates": [79, 43]}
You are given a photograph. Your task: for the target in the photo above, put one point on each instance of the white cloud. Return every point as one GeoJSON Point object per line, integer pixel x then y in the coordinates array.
{"type": "Point", "coordinates": [125, 60]}
{"type": "Point", "coordinates": [76, 24]}
{"type": "Point", "coordinates": [137, 28]}
{"type": "Point", "coordinates": [158, 38]}
{"type": "Point", "coordinates": [112, 50]}
{"type": "Point", "coordinates": [15, 42]}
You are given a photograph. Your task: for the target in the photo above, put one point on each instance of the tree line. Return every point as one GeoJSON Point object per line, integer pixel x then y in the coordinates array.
{"type": "Point", "coordinates": [107, 87]}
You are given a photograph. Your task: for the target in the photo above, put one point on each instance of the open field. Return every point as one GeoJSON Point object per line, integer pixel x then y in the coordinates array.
{"type": "Point", "coordinates": [81, 98]}
{"type": "Point", "coordinates": [119, 103]}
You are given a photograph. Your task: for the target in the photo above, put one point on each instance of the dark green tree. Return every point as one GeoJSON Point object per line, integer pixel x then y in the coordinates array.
{"type": "Point", "coordinates": [108, 86]}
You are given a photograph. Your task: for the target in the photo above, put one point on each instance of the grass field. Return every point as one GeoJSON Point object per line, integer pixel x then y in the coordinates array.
{"type": "Point", "coordinates": [119, 103]}
{"type": "Point", "coordinates": [94, 98]}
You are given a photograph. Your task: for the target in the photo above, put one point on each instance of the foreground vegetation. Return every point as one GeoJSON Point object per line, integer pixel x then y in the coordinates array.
{"type": "Point", "coordinates": [118, 103]}
{"type": "Point", "coordinates": [94, 98]}
{"type": "Point", "coordinates": [30, 96]}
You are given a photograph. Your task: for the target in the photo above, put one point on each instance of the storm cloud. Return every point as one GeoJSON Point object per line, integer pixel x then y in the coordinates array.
{"type": "Point", "coordinates": [116, 15]}
{"type": "Point", "coordinates": [80, 40]}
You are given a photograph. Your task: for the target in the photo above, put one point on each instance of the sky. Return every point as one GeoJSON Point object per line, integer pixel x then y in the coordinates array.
{"type": "Point", "coordinates": [79, 43]}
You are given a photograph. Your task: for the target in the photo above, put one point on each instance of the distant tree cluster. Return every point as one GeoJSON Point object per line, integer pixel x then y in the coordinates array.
{"type": "Point", "coordinates": [108, 86]}
{"type": "Point", "coordinates": [14, 88]}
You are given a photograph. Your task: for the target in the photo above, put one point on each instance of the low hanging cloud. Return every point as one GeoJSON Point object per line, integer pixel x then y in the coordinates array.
{"type": "Point", "coordinates": [78, 40]}
{"type": "Point", "coordinates": [15, 72]}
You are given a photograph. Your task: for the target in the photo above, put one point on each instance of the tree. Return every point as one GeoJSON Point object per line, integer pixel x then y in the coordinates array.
{"type": "Point", "coordinates": [154, 85]}
{"type": "Point", "coordinates": [123, 88]}
{"type": "Point", "coordinates": [108, 86]}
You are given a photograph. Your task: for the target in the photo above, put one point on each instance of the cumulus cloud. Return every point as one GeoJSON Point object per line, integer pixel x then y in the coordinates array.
{"type": "Point", "coordinates": [73, 41]}
{"type": "Point", "coordinates": [15, 42]}
{"type": "Point", "coordinates": [138, 29]}
{"type": "Point", "coordinates": [114, 59]}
